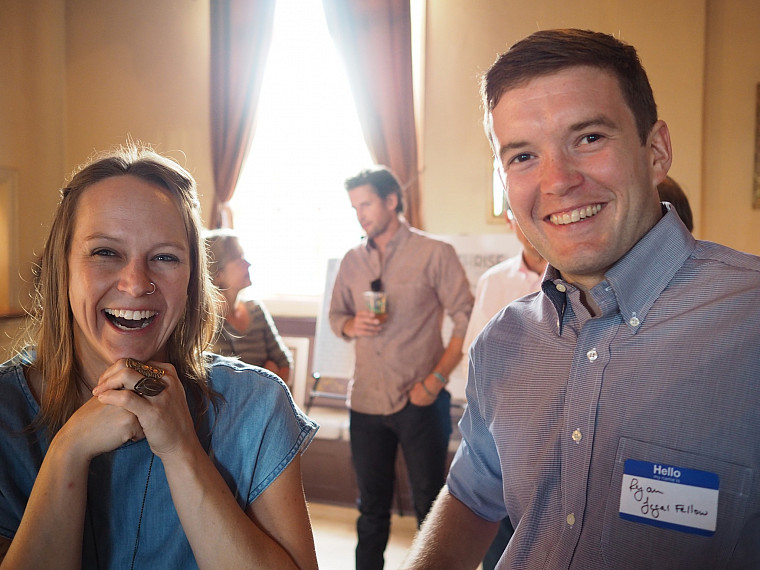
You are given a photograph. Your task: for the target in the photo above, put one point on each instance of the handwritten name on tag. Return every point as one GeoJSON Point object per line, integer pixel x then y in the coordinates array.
{"type": "Point", "coordinates": [670, 497]}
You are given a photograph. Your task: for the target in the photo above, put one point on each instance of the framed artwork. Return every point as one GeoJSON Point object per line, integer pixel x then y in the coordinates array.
{"type": "Point", "coordinates": [756, 181]}
{"type": "Point", "coordinates": [9, 270]}
{"type": "Point", "coordinates": [299, 346]}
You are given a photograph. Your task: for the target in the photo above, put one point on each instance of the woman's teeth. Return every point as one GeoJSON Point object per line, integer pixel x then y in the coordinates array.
{"type": "Point", "coordinates": [130, 315]}
{"type": "Point", "coordinates": [129, 320]}
{"type": "Point", "coordinates": [575, 215]}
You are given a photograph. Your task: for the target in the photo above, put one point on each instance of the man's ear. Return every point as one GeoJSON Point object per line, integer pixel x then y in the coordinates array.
{"type": "Point", "coordinates": [661, 151]}
{"type": "Point", "coordinates": [391, 201]}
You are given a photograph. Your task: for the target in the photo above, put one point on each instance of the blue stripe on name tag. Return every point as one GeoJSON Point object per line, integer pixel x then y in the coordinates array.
{"type": "Point", "coordinates": [672, 474]}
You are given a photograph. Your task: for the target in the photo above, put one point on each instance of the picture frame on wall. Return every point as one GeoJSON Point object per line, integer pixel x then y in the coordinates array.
{"type": "Point", "coordinates": [9, 267]}
{"type": "Point", "coordinates": [756, 181]}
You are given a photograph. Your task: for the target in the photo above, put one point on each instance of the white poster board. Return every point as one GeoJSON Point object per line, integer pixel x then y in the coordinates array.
{"type": "Point", "coordinates": [334, 357]}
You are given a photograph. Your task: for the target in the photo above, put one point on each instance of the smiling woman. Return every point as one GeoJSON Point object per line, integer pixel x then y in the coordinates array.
{"type": "Point", "coordinates": [118, 377]}
{"type": "Point", "coordinates": [128, 241]}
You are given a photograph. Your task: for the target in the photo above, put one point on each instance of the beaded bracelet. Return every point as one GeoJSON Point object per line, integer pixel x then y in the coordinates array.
{"type": "Point", "coordinates": [441, 378]}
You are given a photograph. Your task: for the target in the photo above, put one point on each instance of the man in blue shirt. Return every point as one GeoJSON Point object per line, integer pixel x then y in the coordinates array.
{"type": "Point", "coordinates": [613, 415]}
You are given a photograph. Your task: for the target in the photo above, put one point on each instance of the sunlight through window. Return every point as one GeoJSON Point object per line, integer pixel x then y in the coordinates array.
{"type": "Point", "coordinates": [290, 207]}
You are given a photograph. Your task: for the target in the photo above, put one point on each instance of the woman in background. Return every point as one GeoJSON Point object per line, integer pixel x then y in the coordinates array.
{"type": "Point", "coordinates": [118, 378]}
{"type": "Point", "coordinates": [248, 331]}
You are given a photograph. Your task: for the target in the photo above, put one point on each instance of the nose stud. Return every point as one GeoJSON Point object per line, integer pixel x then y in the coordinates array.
{"type": "Point", "coordinates": [154, 289]}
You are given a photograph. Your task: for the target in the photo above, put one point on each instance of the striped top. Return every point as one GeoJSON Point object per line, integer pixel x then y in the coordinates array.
{"type": "Point", "coordinates": [259, 343]}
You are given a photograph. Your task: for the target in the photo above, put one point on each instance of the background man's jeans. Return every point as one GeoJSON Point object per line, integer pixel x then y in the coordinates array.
{"type": "Point", "coordinates": [423, 433]}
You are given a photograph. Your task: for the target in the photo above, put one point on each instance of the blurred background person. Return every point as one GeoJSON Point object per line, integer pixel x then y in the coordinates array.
{"type": "Point", "coordinates": [397, 396]}
{"type": "Point", "coordinates": [249, 332]}
{"type": "Point", "coordinates": [670, 191]}
{"type": "Point", "coordinates": [506, 281]}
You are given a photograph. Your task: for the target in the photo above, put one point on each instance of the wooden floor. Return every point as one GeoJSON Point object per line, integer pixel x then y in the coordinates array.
{"type": "Point", "coordinates": [335, 537]}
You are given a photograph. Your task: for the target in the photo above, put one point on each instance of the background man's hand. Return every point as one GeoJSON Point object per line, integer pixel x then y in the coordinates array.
{"type": "Point", "coordinates": [365, 323]}
{"type": "Point", "coordinates": [419, 396]}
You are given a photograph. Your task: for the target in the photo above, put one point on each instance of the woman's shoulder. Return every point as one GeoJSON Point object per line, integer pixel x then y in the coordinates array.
{"type": "Point", "coordinates": [12, 370]}
{"type": "Point", "coordinates": [230, 376]}
{"type": "Point", "coordinates": [255, 394]}
{"type": "Point", "coordinates": [18, 405]}
{"type": "Point", "coordinates": [255, 307]}
{"type": "Point", "coordinates": [23, 357]}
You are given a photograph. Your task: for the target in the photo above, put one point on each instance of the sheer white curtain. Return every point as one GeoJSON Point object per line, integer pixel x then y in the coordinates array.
{"type": "Point", "coordinates": [290, 206]}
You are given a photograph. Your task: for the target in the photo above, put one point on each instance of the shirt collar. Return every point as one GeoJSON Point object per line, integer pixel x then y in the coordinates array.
{"type": "Point", "coordinates": [640, 276]}
{"type": "Point", "coordinates": [401, 235]}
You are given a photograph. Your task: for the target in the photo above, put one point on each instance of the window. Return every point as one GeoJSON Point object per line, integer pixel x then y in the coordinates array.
{"type": "Point", "coordinates": [290, 207]}
{"type": "Point", "coordinates": [497, 193]}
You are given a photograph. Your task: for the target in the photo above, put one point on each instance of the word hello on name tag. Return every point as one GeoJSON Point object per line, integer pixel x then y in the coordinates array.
{"type": "Point", "coordinates": [670, 497]}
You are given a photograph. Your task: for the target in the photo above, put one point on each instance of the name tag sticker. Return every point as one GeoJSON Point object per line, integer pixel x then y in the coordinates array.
{"type": "Point", "coordinates": [670, 497]}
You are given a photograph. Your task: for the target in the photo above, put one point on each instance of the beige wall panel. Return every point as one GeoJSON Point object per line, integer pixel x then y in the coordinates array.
{"type": "Point", "coordinates": [139, 69]}
{"type": "Point", "coordinates": [32, 136]}
{"type": "Point", "coordinates": [733, 73]}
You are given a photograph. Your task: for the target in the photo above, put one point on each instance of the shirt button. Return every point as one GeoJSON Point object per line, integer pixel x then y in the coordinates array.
{"type": "Point", "coordinates": [634, 322]}
{"type": "Point", "coordinates": [592, 355]}
{"type": "Point", "coordinates": [571, 519]}
{"type": "Point", "coordinates": [561, 288]}
{"type": "Point", "coordinates": [577, 435]}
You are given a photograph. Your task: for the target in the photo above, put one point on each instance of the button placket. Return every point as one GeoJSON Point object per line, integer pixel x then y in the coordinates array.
{"type": "Point", "coordinates": [583, 392]}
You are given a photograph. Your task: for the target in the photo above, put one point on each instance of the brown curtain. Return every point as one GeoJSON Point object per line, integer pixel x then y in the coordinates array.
{"type": "Point", "coordinates": [241, 32]}
{"type": "Point", "coordinates": [374, 38]}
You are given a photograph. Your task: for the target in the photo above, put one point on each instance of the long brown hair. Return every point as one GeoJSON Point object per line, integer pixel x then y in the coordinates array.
{"type": "Point", "coordinates": [53, 320]}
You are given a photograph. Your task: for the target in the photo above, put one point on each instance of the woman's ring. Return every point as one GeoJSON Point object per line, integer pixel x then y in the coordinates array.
{"type": "Point", "coordinates": [149, 386]}
{"type": "Point", "coordinates": [145, 369]}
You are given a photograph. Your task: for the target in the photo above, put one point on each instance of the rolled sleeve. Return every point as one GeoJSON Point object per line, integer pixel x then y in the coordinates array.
{"type": "Point", "coordinates": [475, 474]}
{"type": "Point", "coordinates": [342, 308]}
{"type": "Point", "coordinates": [454, 292]}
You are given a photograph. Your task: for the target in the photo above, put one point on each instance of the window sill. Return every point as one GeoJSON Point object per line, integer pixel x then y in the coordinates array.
{"type": "Point", "coordinates": [292, 306]}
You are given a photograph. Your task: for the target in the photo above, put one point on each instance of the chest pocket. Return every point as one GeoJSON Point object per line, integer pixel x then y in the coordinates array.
{"type": "Point", "coordinates": [627, 544]}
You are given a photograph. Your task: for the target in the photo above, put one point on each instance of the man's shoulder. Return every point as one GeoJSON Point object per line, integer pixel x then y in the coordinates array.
{"type": "Point", "coordinates": [355, 253]}
{"type": "Point", "coordinates": [422, 240]}
{"type": "Point", "coordinates": [357, 248]}
{"type": "Point", "coordinates": [526, 313]}
{"type": "Point", "coordinates": [418, 234]}
{"type": "Point", "coordinates": [707, 251]}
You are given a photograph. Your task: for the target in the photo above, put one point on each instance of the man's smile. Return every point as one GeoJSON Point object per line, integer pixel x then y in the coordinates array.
{"type": "Point", "coordinates": [576, 215]}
